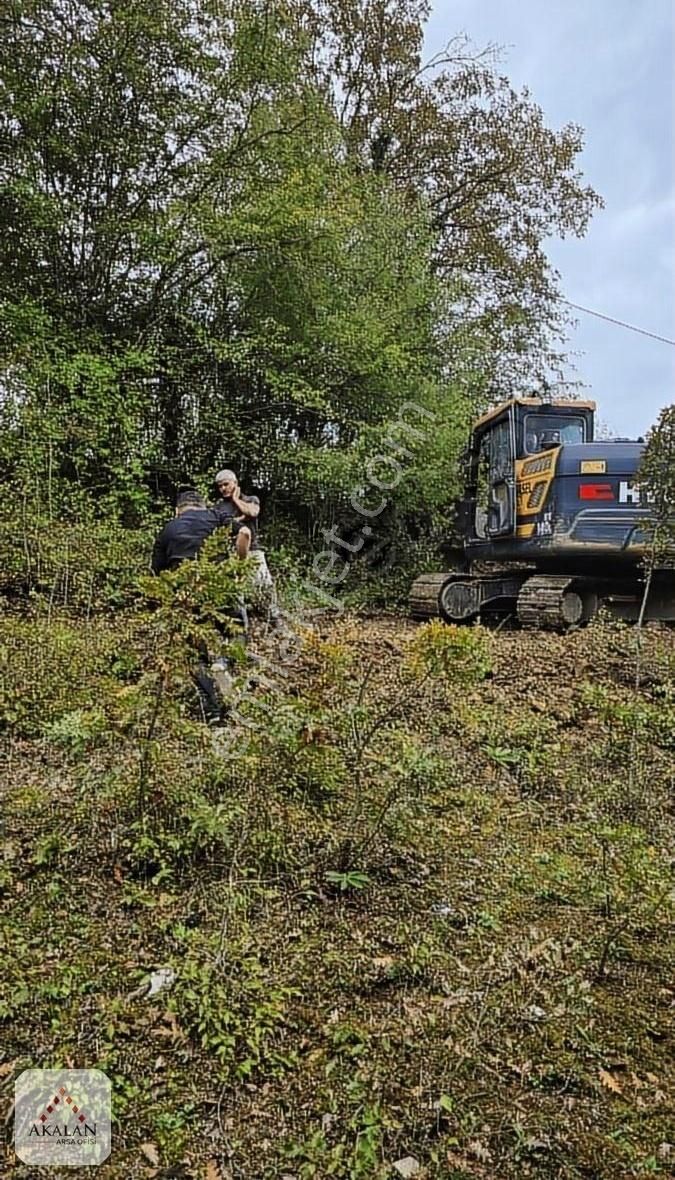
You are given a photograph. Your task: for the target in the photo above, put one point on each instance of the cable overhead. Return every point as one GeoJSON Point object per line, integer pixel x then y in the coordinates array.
{"type": "Point", "coordinates": [621, 323]}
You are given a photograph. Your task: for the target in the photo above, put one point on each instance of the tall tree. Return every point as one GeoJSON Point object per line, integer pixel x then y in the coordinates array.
{"type": "Point", "coordinates": [253, 231]}
{"type": "Point", "coordinates": [499, 182]}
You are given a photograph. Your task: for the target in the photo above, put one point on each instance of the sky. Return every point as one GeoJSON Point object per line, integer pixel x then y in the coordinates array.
{"type": "Point", "coordinates": [608, 66]}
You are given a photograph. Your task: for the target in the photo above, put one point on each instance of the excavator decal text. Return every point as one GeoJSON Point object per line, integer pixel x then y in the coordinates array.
{"type": "Point", "coordinates": [629, 493]}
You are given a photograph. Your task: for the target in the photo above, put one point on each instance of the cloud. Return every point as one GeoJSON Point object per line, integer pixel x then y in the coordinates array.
{"type": "Point", "coordinates": [636, 220]}
{"type": "Point", "coordinates": [606, 65]}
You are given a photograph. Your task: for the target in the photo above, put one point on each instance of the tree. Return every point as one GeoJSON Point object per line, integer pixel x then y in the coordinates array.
{"type": "Point", "coordinates": [497, 180]}
{"type": "Point", "coordinates": [196, 268]}
{"type": "Point", "coordinates": [252, 233]}
{"type": "Point", "coordinates": [657, 481]}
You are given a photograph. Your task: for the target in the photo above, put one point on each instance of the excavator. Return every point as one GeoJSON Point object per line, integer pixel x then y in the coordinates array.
{"type": "Point", "coordinates": [552, 525]}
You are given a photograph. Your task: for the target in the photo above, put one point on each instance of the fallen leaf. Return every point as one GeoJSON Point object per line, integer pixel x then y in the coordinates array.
{"type": "Point", "coordinates": [609, 1081]}
{"type": "Point", "coordinates": [463, 1165]}
{"type": "Point", "coordinates": [480, 1151]}
{"type": "Point", "coordinates": [151, 1153]}
{"type": "Point", "coordinates": [161, 979]}
{"type": "Point", "coordinates": [407, 1167]}
{"type": "Point", "coordinates": [173, 1031]}
{"type": "Point", "coordinates": [212, 1171]}
{"type": "Point", "coordinates": [118, 874]}
{"type": "Point", "coordinates": [7, 1067]}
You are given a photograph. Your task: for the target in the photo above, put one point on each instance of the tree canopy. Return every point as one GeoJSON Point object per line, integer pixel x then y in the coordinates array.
{"type": "Point", "coordinates": [250, 232]}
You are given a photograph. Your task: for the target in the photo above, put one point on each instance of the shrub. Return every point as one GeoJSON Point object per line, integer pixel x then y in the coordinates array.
{"type": "Point", "coordinates": [50, 671]}
{"type": "Point", "coordinates": [460, 655]}
{"type": "Point", "coordinates": [82, 567]}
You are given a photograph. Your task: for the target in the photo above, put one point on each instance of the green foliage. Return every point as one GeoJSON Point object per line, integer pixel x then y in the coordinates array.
{"type": "Point", "coordinates": [75, 731]}
{"type": "Point", "coordinates": [351, 879]}
{"type": "Point", "coordinates": [194, 602]}
{"type": "Point", "coordinates": [86, 567]}
{"type": "Point", "coordinates": [657, 479]}
{"type": "Point", "coordinates": [48, 674]}
{"type": "Point", "coordinates": [358, 1156]}
{"type": "Point", "coordinates": [357, 906]}
{"type": "Point", "coordinates": [458, 655]}
{"type": "Point", "coordinates": [502, 181]}
{"type": "Point", "coordinates": [625, 716]}
{"type": "Point", "coordinates": [236, 1016]}
{"type": "Point", "coordinates": [243, 266]}
{"type": "Point", "coordinates": [533, 754]}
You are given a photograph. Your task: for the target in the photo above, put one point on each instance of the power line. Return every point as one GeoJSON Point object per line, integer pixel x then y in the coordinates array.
{"type": "Point", "coordinates": [622, 324]}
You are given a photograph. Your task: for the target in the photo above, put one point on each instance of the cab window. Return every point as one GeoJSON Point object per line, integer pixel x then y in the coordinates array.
{"type": "Point", "coordinates": [500, 448]}
{"type": "Point", "coordinates": [543, 431]}
{"type": "Point", "coordinates": [482, 488]}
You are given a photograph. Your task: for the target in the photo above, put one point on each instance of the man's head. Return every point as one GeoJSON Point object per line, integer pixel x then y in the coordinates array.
{"type": "Point", "coordinates": [226, 482]}
{"type": "Point", "coordinates": [189, 499]}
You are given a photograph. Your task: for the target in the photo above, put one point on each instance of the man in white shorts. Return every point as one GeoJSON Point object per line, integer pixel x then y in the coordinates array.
{"type": "Point", "coordinates": [241, 513]}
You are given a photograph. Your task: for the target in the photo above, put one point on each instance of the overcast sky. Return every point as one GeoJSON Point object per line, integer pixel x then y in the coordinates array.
{"type": "Point", "coordinates": [608, 66]}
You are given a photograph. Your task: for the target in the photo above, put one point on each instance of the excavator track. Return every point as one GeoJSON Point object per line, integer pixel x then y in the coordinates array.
{"type": "Point", "coordinates": [459, 598]}
{"type": "Point", "coordinates": [541, 602]}
{"type": "Point", "coordinates": [550, 603]}
{"type": "Point", "coordinates": [424, 594]}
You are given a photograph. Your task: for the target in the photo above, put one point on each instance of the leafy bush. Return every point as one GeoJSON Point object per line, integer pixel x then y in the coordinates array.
{"type": "Point", "coordinates": [85, 568]}
{"type": "Point", "coordinates": [52, 671]}
{"type": "Point", "coordinates": [236, 1015]}
{"type": "Point", "coordinates": [459, 655]}
{"type": "Point", "coordinates": [76, 730]}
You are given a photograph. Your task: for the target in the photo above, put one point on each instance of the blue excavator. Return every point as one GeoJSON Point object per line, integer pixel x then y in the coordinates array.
{"type": "Point", "coordinates": [553, 525]}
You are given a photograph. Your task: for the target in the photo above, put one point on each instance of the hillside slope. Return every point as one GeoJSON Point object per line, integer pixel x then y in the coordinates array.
{"type": "Point", "coordinates": [421, 911]}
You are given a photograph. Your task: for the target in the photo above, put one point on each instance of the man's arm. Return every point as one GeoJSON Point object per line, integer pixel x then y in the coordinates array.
{"type": "Point", "coordinates": [159, 560]}
{"type": "Point", "coordinates": [248, 507]}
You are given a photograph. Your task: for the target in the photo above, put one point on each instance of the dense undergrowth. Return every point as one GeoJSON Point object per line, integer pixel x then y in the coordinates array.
{"type": "Point", "coordinates": [417, 898]}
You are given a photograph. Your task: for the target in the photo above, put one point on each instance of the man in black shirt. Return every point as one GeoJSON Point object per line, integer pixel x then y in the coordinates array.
{"type": "Point", "coordinates": [182, 538]}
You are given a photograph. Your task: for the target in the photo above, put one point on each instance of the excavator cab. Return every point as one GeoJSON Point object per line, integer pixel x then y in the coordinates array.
{"type": "Point", "coordinates": [507, 434]}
